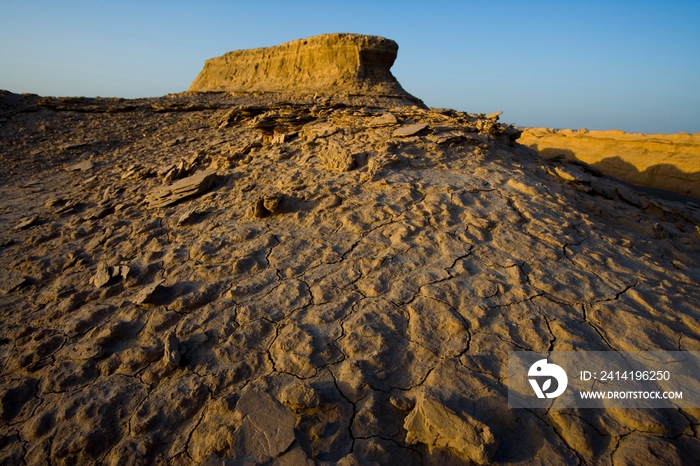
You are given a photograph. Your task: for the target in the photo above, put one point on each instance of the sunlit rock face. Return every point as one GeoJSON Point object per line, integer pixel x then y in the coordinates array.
{"type": "Point", "coordinates": [327, 63]}
{"type": "Point", "coordinates": [663, 161]}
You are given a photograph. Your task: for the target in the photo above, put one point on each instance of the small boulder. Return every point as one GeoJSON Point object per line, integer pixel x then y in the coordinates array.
{"type": "Point", "coordinates": [300, 396]}
{"type": "Point", "coordinates": [432, 423]}
{"type": "Point", "coordinates": [267, 205]}
{"type": "Point", "coordinates": [82, 166]}
{"type": "Point", "coordinates": [26, 223]}
{"type": "Point", "coordinates": [171, 355]}
{"type": "Point", "coordinates": [337, 159]}
{"type": "Point", "coordinates": [105, 274]}
{"type": "Point", "coordinates": [146, 293]}
{"type": "Point", "coordinates": [386, 119]}
{"type": "Point", "coordinates": [181, 189]}
{"type": "Point", "coordinates": [14, 283]}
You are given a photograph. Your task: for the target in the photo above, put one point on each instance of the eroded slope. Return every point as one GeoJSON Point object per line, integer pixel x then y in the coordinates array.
{"type": "Point", "coordinates": [345, 290]}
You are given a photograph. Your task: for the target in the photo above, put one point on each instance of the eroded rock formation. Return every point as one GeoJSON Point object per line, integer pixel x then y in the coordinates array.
{"type": "Point", "coordinates": [664, 161]}
{"type": "Point", "coordinates": [328, 64]}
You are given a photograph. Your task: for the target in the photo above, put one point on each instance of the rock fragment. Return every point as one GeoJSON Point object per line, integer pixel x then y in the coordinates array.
{"type": "Point", "coordinates": [273, 122]}
{"type": "Point", "coordinates": [402, 402]}
{"type": "Point", "coordinates": [409, 130]}
{"type": "Point", "coordinates": [295, 456]}
{"type": "Point", "coordinates": [300, 396]}
{"type": "Point", "coordinates": [432, 423]}
{"type": "Point", "coordinates": [494, 116]}
{"type": "Point", "coordinates": [174, 173]}
{"type": "Point", "coordinates": [337, 159]}
{"type": "Point", "coordinates": [171, 355]}
{"type": "Point", "coordinates": [61, 206]}
{"type": "Point", "coordinates": [630, 196]}
{"type": "Point", "coordinates": [179, 170]}
{"type": "Point", "coordinates": [105, 274]}
{"type": "Point", "coordinates": [380, 162]}
{"type": "Point", "coordinates": [14, 283]}
{"type": "Point", "coordinates": [266, 430]}
{"type": "Point", "coordinates": [198, 336]}
{"type": "Point", "coordinates": [572, 173]}
{"type": "Point", "coordinates": [386, 119]}
{"type": "Point", "coordinates": [188, 217]}
{"type": "Point", "coordinates": [101, 211]}
{"type": "Point", "coordinates": [135, 171]}
{"type": "Point", "coordinates": [82, 166]}
{"type": "Point", "coordinates": [273, 203]}
{"type": "Point", "coordinates": [102, 275]}
{"type": "Point", "coordinates": [267, 205]}
{"type": "Point", "coordinates": [320, 131]}
{"type": "Point", "coordinates": [27, 222]}
{"type": "Point", "coordinates": [146, 293]}
{"type": "Point", "coordinates": [85, 351]}
{"type": "Point", "coordinates": [184, 188]}
{"type": "Point", "coordinates": [121, 271]}
{"type": "Point", "coordinates": [456, 136]}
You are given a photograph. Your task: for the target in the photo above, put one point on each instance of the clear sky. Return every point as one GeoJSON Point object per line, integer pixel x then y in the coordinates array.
{"type": "Point", "coordinates": [629, 65]}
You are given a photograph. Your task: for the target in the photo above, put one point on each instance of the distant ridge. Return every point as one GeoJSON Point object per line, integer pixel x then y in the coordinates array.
{"type": "Point", "coordinates": [663, 161]}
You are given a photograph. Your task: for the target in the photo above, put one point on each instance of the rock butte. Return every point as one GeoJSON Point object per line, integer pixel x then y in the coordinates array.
{"type": "Point", "coordinates": [329, 64]}
{"type": "Point", "coordinates": [257, 279]}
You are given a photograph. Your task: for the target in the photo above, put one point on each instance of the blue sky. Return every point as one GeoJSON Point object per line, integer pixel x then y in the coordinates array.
{"type": "Point", "coordinates": [630, 65]}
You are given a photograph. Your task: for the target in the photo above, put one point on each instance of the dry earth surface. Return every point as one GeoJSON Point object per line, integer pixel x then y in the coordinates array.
{"type": "Point", "coordinates": [665, 161]}
{"type": "Point", "coordinates": [251, 279]}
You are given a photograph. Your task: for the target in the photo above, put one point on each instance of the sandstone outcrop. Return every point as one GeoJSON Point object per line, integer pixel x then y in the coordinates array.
{"type": "Point", "coordinates": [664, 161]}
{"type": "Point", "coordinates": [328, 64]}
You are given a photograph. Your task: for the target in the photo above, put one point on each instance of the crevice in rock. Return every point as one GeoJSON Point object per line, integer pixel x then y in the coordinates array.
{"type": "Point", "coordinates": [543, 419]}
{"type": "Point", "coordinates": [595, 328]}
{"type": "Point", "coordinates": [354, 410]}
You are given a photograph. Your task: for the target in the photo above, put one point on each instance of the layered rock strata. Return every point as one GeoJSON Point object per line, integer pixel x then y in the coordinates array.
{"type": "Point", "coordinates": [329, 64]}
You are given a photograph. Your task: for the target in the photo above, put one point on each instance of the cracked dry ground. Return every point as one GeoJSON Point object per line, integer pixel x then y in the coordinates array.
{"type": "Point", "coordinates": [340, 294]}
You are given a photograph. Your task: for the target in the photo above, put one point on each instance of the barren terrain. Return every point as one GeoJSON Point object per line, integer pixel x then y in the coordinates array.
{"type": "Point", "coordinates": [665, 161]}
{"type": "Point", "coordinates": [252, 279]}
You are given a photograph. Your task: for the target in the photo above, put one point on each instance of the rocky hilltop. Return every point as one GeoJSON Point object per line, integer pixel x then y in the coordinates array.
{"type": "Point", "coordinates": [222, 279]}
{"type": "Point", "coordinates": [329, 64]}
{"type": "Point", "coordinates": [665, 161]}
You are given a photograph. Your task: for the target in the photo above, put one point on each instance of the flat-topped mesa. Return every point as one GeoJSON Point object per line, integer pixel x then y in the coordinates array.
{"type": "Point", "coordinates": [328, 64]}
